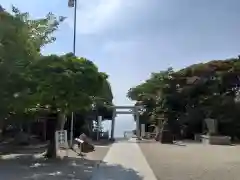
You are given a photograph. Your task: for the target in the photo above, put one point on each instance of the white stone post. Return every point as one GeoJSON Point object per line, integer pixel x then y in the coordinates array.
{"type": "Point", "coordinates": [142, 130]}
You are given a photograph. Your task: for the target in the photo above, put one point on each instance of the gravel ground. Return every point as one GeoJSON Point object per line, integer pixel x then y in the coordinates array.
{"type": "Point", "coordinates": [33, 167]}
{"type": "Point", "coordinates": [193, 161]}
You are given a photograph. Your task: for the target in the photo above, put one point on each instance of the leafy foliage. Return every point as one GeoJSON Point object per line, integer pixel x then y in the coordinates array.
{"type": "Point", "coordinates": [66, 81]}
{"type": "Point", "coordinates": [23, 36]}
{"type": "Point", "coordinates": [30, 81]}
{"type": "Point", "coordinates": [206, 90]}
{"type": "Point", "coordinates": [39, 30]}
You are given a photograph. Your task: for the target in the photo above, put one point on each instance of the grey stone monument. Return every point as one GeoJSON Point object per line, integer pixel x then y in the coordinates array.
{"type": "Point", "coordinates": [212, 137]}
{"type": "Point", "coordinates": [212, 126]}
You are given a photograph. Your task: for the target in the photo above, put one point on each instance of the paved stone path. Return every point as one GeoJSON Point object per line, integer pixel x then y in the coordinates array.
{"type": "Point", "coordinates": [129, 160]}
{"type": "Point", "coordinates": [125, 161]}
{"type": "Point", "coordinates": [194, 161]}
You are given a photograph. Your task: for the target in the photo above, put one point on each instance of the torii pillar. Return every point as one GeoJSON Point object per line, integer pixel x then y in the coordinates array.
{"type": "Point", "coordinates": [136, 113]}
{"type": "Point", "coordinates": [113, 124]}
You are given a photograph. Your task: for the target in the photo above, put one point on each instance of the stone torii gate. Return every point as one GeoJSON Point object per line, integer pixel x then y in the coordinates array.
{"type": "Point", "coordinates": [134, 110]}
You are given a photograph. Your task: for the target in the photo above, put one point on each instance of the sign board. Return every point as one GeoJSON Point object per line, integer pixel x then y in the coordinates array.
{"type": "Point", "coordinates": [79, 140]}
{"type": "Point", "coordinates": [99, 121]}
{"type": "Point", "coordinates": [61, 140]}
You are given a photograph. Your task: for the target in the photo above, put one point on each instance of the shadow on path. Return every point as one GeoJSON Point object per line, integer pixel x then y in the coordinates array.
{"type": "Point", "coordinates": [104, 171]}
{"type": "Point", "coordinates": [33, 167]}
{"type": "Point", "coordinates": [12, 148]}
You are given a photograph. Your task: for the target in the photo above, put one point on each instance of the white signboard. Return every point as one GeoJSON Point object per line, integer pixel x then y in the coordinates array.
{"type": "Point", "coordinates": [99, 120]}
{"type": "Point", "coordinates": [61, 140]}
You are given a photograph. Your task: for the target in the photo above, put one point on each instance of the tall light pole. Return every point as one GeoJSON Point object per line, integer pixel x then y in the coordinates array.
{"type": "Point", "coordinates": [73, 4]}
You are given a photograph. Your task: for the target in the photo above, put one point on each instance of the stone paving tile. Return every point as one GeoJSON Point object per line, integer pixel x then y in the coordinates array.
{"type": "Point", "coordinates": [124, 161]}
{"type": "Point", "coordinates": [192, 161]}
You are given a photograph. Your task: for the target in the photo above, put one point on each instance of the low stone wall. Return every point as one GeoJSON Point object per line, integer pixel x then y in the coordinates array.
{"type": "Point", "coordinates": [149, 135]}
{"type": "Point", "coordinates": [216, 140]}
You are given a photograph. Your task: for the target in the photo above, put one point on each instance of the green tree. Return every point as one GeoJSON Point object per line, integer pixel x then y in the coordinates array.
{"type": "Point", "coordinates": [212, 92]}
{"type": "Point", "coordinates": [21, 39]}
{"type": "Point", "coordinates": [31, 81]}
{"type": "Point", "coordinates": [65, 84]}
{"type": "Point", "coordinates": [199, 91]}
{"type": "Point", "coordinates": [149, 94]}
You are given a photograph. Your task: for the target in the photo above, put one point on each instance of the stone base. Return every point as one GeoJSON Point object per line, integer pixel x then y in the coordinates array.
{"type": "Point", "coordinates": [166, 137]}
{"type": "Point", "coordinates": [86, 147]}
{"type": "Point", "coordinates": [112, 139]}
{"type": "Point", "coordinates": [139, 138]}
{"type": "Point", "coordinates": [216, 140]}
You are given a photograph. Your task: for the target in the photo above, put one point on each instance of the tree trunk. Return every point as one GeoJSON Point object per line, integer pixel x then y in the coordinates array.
{"type": "Point", "coordinates": [58, 124]}
{"type": "Point", "coordinates": [166, 134]}
{"type": "Point", "coordinates": [1, 128]}
{"type": "Point", "coordinates": [44, 130]}
{"type": "Point", "coordinates": [1, 131]}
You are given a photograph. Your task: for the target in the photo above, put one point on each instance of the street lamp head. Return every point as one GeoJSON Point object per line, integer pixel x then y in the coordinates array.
{"type": "Point", "coordinates": [71, 3]}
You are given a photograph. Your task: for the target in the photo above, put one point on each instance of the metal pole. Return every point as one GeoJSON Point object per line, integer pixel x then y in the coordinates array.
{"type": "Point", "coordinates": [75, 27]}
{"type": "Point", "coordinates": [71, 133]}
{"type": "Point", "coordinates": [73, 3]}
{"type": "Point", "coordinates": [98, 129]}
{"type": "Point", "coordinates": [99, 126]}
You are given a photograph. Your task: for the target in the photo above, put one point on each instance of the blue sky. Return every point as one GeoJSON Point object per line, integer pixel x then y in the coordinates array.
{"type": "Point", "coordinates": [129, 39]}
